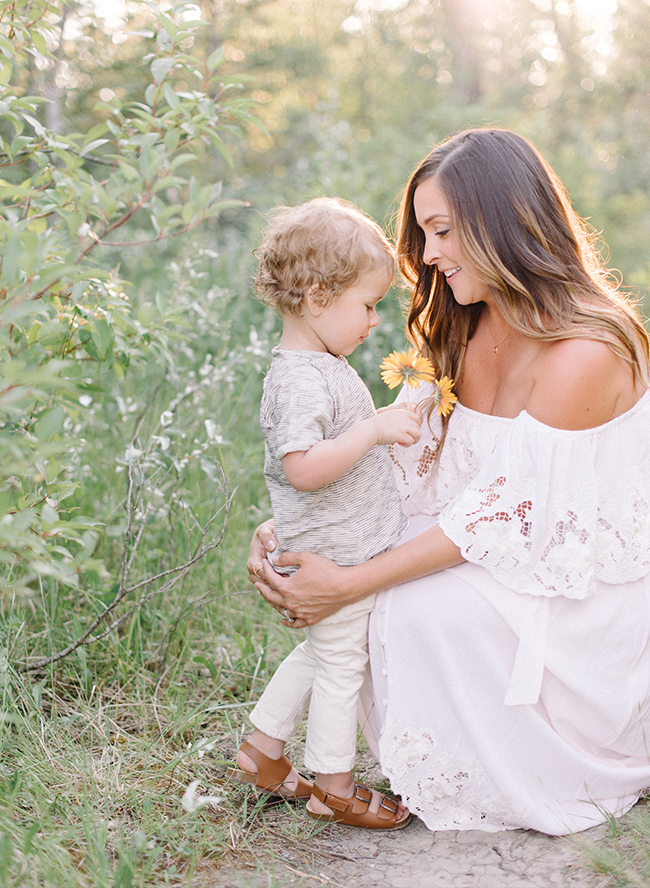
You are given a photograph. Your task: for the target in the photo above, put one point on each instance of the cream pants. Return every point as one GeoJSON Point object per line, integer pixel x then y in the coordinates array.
{"type": "Point", "coordinates": [326, 672]}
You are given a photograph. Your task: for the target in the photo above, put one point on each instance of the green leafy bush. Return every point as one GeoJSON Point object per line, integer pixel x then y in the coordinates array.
{"type": "Point", "coordinates": [69, 335]}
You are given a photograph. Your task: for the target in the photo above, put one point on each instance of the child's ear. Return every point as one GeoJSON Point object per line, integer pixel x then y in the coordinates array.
{"type": "Point", "coordinates": [313, 301]}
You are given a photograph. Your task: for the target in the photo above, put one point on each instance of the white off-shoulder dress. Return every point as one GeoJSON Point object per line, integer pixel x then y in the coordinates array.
{"type": "Point", "coordinates": [513, 691]}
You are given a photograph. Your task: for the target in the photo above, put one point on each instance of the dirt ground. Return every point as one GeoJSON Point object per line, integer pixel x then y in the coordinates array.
{"type": "Point", "coordinates": [414, 857]}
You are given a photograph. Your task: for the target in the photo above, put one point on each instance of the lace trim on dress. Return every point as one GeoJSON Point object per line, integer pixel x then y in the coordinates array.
{"type": "Point", "coordinates": [415, 473]}
{"type": "Point", "coordinates": [547, 511]}
{"type": "Point", "coordinates": [445, 792]}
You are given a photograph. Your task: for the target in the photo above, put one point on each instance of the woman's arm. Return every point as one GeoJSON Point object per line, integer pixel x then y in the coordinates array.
{"type": "Point", "coordinates": [320, 587]}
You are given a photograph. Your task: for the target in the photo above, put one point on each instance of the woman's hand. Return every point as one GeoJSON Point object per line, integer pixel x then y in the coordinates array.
{"type": "Point", "coordinates": [315, 591]}
{"type": "Point", "coordinates": [262, 543]}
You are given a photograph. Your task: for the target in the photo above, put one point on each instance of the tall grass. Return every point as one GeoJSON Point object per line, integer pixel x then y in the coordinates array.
{"type": "Point", "coordinates": [98, 749]}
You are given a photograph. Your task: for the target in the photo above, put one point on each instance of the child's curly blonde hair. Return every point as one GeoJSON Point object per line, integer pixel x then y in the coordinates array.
{"type": "Point", "coordinates": [326, 244]}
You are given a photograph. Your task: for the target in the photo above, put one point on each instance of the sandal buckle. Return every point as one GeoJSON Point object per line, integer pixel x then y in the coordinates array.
{"type": "Point", "coordinates": [362, 793]}
{"type": "Point", "coordinates": [389, 804]}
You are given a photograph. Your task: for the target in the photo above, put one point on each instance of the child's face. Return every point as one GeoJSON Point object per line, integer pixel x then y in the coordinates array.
{"type": "Point", "coordinates": [345, 323]}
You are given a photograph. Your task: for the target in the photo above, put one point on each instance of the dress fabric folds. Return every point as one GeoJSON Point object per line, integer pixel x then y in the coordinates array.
{"type": "Point", "coordinates": [513, 691]}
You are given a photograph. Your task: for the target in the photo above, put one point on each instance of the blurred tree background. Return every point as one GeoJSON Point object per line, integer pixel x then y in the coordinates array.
{"type": "Point", "coordinates": [352, 95]}
{"type": "Point", "coordinates": [142, 144]}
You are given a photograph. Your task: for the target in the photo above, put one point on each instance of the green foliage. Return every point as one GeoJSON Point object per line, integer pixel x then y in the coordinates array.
{"type": "Point", "coordinates": [67, 328]}
{"type": "Point", "coordinates": [132, 355]}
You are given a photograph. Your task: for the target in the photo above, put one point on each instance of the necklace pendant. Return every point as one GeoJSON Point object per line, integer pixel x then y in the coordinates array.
{"type": "Point", "coordinates": [495, 349]}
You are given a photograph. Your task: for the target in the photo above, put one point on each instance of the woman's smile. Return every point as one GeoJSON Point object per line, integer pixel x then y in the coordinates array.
{"type": "Point", "coordinates": [442, 245]}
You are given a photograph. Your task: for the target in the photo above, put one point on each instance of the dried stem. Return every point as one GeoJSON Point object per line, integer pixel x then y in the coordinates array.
{"type": "Point", "coordinates": [139, 510]}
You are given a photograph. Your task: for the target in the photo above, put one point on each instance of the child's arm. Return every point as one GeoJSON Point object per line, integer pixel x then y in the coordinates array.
{"type": "Point", "coordinates": [329, 459]}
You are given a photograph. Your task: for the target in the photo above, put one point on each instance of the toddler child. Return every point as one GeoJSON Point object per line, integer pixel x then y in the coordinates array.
{"type": "Point", "coordinates": [325, 266]}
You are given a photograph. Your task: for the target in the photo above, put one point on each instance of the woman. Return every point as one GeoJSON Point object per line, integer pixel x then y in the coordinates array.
{"type": "Point", "coordinates": [510, 650]}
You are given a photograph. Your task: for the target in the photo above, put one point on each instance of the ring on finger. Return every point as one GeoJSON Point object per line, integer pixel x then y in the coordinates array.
{"type": "Point", "coordinates": [287, 617]}
{"type": "Point", "coordinates": [256, 568]}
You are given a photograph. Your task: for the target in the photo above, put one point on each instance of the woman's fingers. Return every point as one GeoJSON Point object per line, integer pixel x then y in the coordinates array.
{"type": "Point", "coordinates": [297, 623]}
{"type": "Point", "coordinates": [309, 594]}
{"type": "Point", "coordinates": [262, 543]}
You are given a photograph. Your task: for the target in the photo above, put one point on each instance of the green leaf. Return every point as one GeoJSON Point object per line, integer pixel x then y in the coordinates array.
{"type": "Point", "coordinates": [49, 516]}
{"type": "Point", "coordinates": [189, 211]}
{"type": "Point", "coordinates": [172, 140]}
{"type": "Point", "coordinates": [91, 146]}
{"type": "Point", "coordinates": [49, 424]}
{"type": "Point", "coordinates": [172, 99]}
{"type": "Point", "coordinates": [168, 25]}
{"type": "Point", "coordinates": [160, 68]}
{"type": "Point", "coordinates": [22, 520]}
{"type": "Point", "coordinates": [221, 147]}
{"type": "Point", "coordinates": [6, 70]}
{"type": "Point", "coordinates": [215, 59]}
{"type": "Point", "coordinates": [181, 159]}
{"type": "Point", "coordinates": [5, 502]}
{"type": "Point", "coordinates": [102, 336]}
{"type": "Point", "coordinates": [168, 182]}
{"type": "Point", "coordinates": [37, 225]}
{"type": "Point", "coordinates": [11, 256]}
{"type": "Point", "coordinates": [222, 205]}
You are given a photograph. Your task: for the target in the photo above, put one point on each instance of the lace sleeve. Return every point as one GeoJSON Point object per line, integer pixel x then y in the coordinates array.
{"type": "Point", "coordinates": [416, 468]}
{"type": "Point", "coordinates": [550, 512]}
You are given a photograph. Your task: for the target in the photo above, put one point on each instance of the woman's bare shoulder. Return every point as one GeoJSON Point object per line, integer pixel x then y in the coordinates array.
{"type": "Point", "coordinates": [580, 384]}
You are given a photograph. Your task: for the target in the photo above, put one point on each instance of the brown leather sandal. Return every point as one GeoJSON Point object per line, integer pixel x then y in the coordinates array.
{"type": "Point", "coordinates": [271, 774]}
{"type": "Point", "coordinates": [354, 811]}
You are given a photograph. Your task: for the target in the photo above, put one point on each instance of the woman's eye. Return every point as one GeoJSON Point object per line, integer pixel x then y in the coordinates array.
{"type": "Point", "coordinates": [443, 233]}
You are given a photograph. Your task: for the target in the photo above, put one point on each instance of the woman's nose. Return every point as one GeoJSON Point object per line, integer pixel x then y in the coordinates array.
{"type": "Point", "coordinates": [431, 252]}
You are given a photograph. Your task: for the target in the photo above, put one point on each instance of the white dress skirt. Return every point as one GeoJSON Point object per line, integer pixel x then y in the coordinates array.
{"type": "Point", "coordinates": [513, 691]}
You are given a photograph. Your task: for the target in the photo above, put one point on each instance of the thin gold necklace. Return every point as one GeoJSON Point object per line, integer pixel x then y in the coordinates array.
{"type": "Point", "coordinates": [495, 348]}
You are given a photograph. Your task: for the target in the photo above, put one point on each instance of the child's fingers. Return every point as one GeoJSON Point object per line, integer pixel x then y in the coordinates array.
{"type": "Point", "coordinates": [288, 559]}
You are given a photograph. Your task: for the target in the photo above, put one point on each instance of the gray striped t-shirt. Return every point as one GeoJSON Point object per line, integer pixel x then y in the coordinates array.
{"type": "Point", "coordinates": [309, 396]}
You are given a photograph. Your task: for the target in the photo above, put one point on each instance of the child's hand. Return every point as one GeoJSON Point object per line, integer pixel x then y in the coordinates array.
{"type": "Point", "coordinates": [398, 425]}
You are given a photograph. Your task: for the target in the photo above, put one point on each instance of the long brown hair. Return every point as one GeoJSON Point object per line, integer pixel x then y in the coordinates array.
{"type": "Point", "coordinates": [516, 225]}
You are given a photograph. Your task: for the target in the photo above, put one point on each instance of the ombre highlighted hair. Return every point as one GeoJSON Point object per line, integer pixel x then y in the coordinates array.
{"type": "Point", "coordinates": [516, 225]}
{"type": "Point", "coordinates": [326, 244]}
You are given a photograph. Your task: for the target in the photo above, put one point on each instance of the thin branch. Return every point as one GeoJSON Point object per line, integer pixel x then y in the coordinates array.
{"type": "Point", "coordinates": [134, 501]}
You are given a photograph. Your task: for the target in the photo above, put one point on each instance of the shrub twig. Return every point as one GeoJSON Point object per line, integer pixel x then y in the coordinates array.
{"type": "Point", "coordinates": [137, 515]}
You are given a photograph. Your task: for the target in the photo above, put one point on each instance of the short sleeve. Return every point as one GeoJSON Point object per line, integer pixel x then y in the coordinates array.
{"type": "Point", "coordinates": [551, 512]}
{"type": "Point", "coordinates": [297, 409]}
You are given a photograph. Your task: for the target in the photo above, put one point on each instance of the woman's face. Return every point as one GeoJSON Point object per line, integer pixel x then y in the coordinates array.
{"type": "Point", "coordinates": [442, 246]}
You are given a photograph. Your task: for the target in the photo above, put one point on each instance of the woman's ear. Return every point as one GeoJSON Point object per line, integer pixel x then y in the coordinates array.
{"type": "Point", "coordinates": [313, 301]}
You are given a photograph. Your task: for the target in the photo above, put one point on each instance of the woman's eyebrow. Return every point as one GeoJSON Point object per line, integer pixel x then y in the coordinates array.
{"type": "Point", "coordinates": [434, 216]}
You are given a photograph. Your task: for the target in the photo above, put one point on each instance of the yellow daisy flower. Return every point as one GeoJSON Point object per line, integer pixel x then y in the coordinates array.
{"type": "Point", "coordinates": [443, 397]}
{"type": "Point", "coordinates": [400, 368]}
{"type": "Point", "coordinates": [406, 367]}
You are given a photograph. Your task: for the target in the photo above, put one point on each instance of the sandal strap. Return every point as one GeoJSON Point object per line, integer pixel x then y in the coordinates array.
{"type": "Point", "coordinates": [332, 801]}
{"type": "Point", "coordinates": [359, 803]}
{"type": "Point", "coordinates": [271, 773]}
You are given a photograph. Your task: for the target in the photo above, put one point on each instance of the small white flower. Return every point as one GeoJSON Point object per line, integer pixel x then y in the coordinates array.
{"type": "Point", "coordinates": [166, 418]}
{"type": "Point", "coordinates": [132, 454]}
{"type": "Point", "coordinates": [210, 427]}
{"type": "Point", "coordinates": [192, 802]}
{"type": "Point", "coordinates": [202, 746]}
